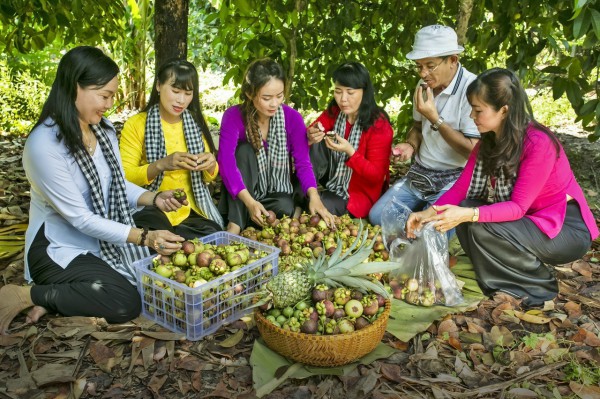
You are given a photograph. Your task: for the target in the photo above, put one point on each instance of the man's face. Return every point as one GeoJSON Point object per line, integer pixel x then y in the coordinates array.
{"type": "Point", "coordinates": [437, 72]}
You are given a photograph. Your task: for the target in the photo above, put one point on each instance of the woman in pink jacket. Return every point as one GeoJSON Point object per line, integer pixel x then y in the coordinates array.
{"type": "Point", "coordinates": [516, 206]}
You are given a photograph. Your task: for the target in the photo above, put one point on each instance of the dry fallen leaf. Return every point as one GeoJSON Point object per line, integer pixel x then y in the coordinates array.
{"type": "Point", "coordinates": [392, 372]}
{"type": "Point", "coordinates": [585, 391]}
{"type": "Point", "coordinates": [233, 339]}
{"type": "Point", "coordinates": [501, 310]}
{"type": "Point", "coordinates": [447, 327]}
{"type": "Point", "coordinates": [53, 373]}
{"type": "Point", "coordinates": [573, 309]}
{"type": "Point", "coordinates": [582, 267]}
{"type": "Point", "coordinates": [532, 318]}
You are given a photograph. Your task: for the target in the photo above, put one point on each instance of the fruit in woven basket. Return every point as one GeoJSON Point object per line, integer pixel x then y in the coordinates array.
{"type": "Point", "coordinates": [353, 308]}
{"type": "Point", "coordinates": [346, 269]}
{"type": "Point", "coordinates": [310, 326]}
{"type": "Point", "coordinates": [341, 295]}
{"type": "Point", "coordinates": [361, 323]}
{"type": "Point", "coordinates": [370, 305]}
{"type": "Point", "coordinates": [345, 326]}
{"type": "Point", "coordinates": [325, 308]}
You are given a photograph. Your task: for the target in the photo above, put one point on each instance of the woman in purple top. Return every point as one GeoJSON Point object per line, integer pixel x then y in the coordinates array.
{"type": "Point", "coordinates": [516, 205]}
{"type": "Point", "coordinates": [262, 141]}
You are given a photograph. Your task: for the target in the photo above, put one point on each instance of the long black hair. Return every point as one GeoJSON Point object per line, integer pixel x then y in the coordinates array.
{"type": "Point", "coordinates": [356, 76]}
{"type": "Point", "coordinates": [183, 75]}
{"type": "Point", "coordinates": [258, 74]}
{"type": "Point", "coordinates": [83, 66]}
{"type": "Point", "coordinates": [498, 87]}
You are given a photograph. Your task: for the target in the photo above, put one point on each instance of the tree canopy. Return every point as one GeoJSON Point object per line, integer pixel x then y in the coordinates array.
{"type": "Point", "coordinates": [552, 44]}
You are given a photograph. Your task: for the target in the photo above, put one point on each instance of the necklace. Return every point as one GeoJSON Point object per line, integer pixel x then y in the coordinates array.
{"type": "Point", "coordinates": [89, 145]}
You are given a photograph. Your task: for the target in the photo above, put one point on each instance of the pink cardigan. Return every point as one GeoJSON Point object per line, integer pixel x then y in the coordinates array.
{"type": "Point", "coordinates": [540, 190]}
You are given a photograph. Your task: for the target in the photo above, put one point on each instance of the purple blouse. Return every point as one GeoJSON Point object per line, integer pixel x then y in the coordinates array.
{"type": "Point", "coordinates": [233, 131]}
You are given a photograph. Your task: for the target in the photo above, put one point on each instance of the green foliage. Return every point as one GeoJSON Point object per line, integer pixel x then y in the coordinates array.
{"type": "Point", "coordinates": [27, 25]}
{"type": "Point", "coordinates": [21, 99]}
{"type": "Point", "coordinates": [532, 340]}
{"type": "Point", "coordinates": [554, 43]}
{"type": "Point", "coordinates": [584, 374]}
{"type": "Point", "coordinates": [133, 53]}
{"type": "Point", "coordinates": [202, 29]}
{"type": "Point", "coordinates": [311, 38]}
{"type": "Point", "coordinates": [553, 113]}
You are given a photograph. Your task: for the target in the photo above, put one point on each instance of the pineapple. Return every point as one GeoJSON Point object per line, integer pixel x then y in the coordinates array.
{"type": "Point", "coordinates": [348, 269]}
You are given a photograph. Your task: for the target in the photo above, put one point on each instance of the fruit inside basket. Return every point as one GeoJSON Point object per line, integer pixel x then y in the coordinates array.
{"type": "Point", "coordinates": [323, 350]}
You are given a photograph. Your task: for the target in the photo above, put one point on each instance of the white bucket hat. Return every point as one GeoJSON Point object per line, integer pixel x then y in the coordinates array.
{"type": "Point", "coordinates": [434, 41]}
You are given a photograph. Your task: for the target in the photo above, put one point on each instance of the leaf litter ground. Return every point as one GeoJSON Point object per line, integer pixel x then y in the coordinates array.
{"type": "Point", "coordinates": [497, 349]}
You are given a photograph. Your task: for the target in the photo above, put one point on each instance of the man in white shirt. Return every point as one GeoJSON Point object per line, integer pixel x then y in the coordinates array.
{"type": "Point", "coordinates": [443, 133]}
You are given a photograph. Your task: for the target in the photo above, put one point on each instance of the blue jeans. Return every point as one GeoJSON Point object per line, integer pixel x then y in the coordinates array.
{"type": "Point", "coordinates": [404, 192]}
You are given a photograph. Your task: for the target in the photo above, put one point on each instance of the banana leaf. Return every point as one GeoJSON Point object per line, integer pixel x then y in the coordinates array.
{"type": "Point", "coordinates": [267, 364]}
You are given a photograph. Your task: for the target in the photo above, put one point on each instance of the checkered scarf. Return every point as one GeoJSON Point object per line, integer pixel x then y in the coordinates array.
{"type": "Point", "coordinates": [340, 173]}
{"type": "Point", "coordinates": [481, 185]}
{"type": "Point", "coordinates": [155, 150]}
{"type": "Point", "coordinates": [274, 166]}
{"type": "Point", "coordinates": [119, 258]}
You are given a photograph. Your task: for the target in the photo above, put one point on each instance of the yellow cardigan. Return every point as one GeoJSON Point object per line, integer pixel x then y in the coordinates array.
{"type": "Point", "coordinates": [135, 164]}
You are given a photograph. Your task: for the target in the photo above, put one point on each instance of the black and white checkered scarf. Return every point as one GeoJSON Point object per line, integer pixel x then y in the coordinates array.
{"type": "Point", "coordinates": [274, 166]}
{"type": "Point", "coordinates": [155, 150]}
{"type": "Point", "coordinates": [339, 172]}
{"type": "Point", "coordinates": [119, 258]}
{"type": "Point", "coordinates": [481, 185]}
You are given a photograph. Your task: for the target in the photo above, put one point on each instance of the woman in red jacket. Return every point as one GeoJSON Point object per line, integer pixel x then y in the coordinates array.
{"type": "Point", "coordinates": [350, 144]}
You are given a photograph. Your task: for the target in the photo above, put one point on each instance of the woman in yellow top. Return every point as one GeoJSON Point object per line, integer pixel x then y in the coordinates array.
{"type": "Point", "coordinates": [169, 146]}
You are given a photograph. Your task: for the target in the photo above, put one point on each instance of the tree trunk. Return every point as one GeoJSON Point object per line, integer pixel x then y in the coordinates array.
{"type": "Point", "coordinates": [465, 8]}
{"type": "Point", "coordinates": [170, 26]}
{"type": "Point", "coordinates": [293, 53]}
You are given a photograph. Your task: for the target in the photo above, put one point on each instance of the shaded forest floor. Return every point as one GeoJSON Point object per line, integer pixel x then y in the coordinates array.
{"type": "Point", "coordinates": [494, 350]}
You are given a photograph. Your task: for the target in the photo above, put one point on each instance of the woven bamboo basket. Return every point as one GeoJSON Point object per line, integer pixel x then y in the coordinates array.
{"type": "Point", "coordinates": [323, 350]}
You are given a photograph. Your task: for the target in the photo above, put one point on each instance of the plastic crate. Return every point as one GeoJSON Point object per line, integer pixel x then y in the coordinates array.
{"type": "Point", "coordinates": [200, 311]}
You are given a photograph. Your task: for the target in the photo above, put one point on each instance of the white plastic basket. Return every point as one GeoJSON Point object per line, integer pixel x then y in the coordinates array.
{"type": "Point", "coordinates": [200, 311]}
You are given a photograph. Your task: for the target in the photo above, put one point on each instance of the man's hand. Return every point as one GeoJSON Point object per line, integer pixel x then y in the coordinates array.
{"type": "Point", "coordinates": [426, 108]}
{"type": "Point", "coordinates": [402, 152]}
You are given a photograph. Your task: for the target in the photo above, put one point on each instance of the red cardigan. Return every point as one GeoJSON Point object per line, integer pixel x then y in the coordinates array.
{"type": "Point", "coordinates": [370, 163]}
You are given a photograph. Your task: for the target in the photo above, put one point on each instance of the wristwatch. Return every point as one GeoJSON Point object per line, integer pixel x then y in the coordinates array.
{"type": "Point", "coordinates": [437, 125]}
{"type": "Point", "coordinates": [475, 215]}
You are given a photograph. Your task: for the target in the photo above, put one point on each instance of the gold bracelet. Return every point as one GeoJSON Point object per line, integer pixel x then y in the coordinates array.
{"type": "Point", "coordinates": [139, 239]}
{"type": "Point", "coordinates": [475, 214]}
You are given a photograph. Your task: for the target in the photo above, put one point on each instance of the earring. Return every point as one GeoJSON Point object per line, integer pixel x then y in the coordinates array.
{"type": "Point", "coordinates": [158, 92]}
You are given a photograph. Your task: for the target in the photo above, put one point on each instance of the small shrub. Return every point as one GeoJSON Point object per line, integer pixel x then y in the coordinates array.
{"type": "Point", "coordinates": [21, 99]}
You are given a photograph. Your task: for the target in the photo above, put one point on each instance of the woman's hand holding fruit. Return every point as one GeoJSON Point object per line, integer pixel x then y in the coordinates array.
{"type": "Point", "coordinates": [163, 241]}
{"type": "Point", "coordinates": [171, 200]}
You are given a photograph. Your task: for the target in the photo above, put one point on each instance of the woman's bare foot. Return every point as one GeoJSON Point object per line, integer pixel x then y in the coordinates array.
{"type": "Point", "coordinates": [35, 314]}
{"type": "Point", "coordinates": [233, 228]}
{"type": "Point", "coordinates": [13, 299]}
{"type": "Point", "coordinates": [297, 212]}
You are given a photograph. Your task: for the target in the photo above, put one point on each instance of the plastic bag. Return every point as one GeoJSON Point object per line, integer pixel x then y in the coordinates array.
{"type": "Point", "coordinates": [424, 277]}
